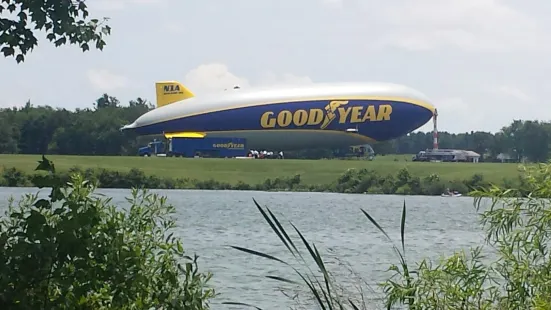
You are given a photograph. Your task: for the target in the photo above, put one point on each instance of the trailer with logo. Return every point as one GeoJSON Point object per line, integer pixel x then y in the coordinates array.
{"type": "Point", "coordinates": [196, 147]}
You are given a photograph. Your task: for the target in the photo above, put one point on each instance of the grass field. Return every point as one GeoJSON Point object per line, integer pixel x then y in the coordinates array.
{"type": "Point", "coordinates": [256, 171]}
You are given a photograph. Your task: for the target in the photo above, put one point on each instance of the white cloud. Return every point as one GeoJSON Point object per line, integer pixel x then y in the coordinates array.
{"type": "Point", "coordinates": [336, 4]}
{"type": "Point", "coordinates": [286, 79]}
{"type": "Point", "coordinates": [117, 5]}
{"type": "Point", "coordinates": [457, 113]}
{"type": "Point", "coordinates": [482, 62]}
{"type": "Point", "coordinates": [513, 92]}
{"type": "Point", "coordinates": [146, 1]}
{"type": "Point", "coordinates": [471, 25]}
{"type": "Point", "coordinates": [214, 77]}
{"type": "Point", "coordinates": [174, 27]}
{"type": "Point", "coordinates": [454, 115]}
{"type": "Point", "coordinates": [104, 80]}
{"type": "Point", "coordinates": [108, 5]}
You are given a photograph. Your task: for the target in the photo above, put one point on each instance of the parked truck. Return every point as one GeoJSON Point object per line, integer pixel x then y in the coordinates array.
{"type": "Point", "coordinates": [196, 147]}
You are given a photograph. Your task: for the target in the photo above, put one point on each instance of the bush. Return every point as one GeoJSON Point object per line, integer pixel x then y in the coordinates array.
{"type": "Point", "coordinates": [517, 226]}
{"type": "Point", "coordinates": [74, 250]}
{"type": "Point", "coordinates": [350, 181]}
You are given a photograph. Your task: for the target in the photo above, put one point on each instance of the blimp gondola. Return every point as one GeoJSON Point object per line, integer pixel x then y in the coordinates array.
{"type": "Point", "coordinates": [289, 118]}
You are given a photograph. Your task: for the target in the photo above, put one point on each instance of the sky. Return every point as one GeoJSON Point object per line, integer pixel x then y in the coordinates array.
{"type": "Point", "coordinates": [482, 63]}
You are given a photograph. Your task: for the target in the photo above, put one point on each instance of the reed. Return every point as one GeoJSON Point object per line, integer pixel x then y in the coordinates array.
{"type": "Point", "coordinates": [511, 270]}
{"type": "Point", "coordinates": [320, 283]}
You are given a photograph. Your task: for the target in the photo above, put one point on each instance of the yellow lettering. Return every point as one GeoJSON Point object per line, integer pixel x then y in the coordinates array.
{"type": "Point", "coordinates": [266, 121]}
{"type": "Point", "coordinates": [343, 114]}
{"type": "Point", "coordinates": [355, 117]}
{"type": "Point", "coordinates": [284, 118]}
{"type": "Point", "coordinates": [384, 112]}
{"type": "Point", "coordinates": [370, 114]}
{"type": "Point", "coordinates": [315, 117]}
{"type": "Point", "coordinates": [300, 117]}
{"type": "Point", "coordinates": [333, 105]}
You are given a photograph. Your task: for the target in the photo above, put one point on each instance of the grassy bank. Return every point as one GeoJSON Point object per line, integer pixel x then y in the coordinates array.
{"type": "Point", "coordinates": [231, 171]}
{"type": "Point", "coordinates": [386, 175]}
{"type": "Point", "coordinates": [130, 259]}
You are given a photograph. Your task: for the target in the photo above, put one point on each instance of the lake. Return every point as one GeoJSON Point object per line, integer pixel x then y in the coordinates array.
{"type": "Point", "coordinates": [211, 221]}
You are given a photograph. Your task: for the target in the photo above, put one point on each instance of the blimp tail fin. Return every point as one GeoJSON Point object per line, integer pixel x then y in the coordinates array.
{"type": "Point", "coordinates": [171, 91]}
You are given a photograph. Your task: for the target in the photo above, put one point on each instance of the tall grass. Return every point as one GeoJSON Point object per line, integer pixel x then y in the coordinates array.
{"type": "Point", "coordinates": [517, 225]}
{"type": "Point", "coordinates": [327, 294]}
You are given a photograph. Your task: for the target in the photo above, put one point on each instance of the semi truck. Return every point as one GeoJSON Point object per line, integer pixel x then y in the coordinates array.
{"type": "Point", "coordinates": [196, 147]}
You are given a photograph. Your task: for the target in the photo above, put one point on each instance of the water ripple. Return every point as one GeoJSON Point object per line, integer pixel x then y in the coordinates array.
{"type": "Point", "coordinates": [211, 221]}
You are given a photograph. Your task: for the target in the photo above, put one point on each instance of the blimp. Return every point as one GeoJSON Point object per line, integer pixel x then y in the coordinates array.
{"type": "Point", "coordinates": [324, 115]}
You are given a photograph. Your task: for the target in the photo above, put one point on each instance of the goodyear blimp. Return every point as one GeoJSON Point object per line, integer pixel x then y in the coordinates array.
{"type": "Point", "coordinates": [300, 117]}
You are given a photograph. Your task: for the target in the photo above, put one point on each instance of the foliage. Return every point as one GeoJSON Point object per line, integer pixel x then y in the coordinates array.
{"type": "Point", "coordinates": [74, 250]}
{"type": "Point", "coordinates": [517, 225]}
{"type": "Point", "coordinates": [65, 22]}
{"type": "Point", "coordinates": [351, 181]}
{"type": "Point", "coordinates": [520, 140]}
{"type": "Point", "coordinates": [312, 172]}
{"type": "Point", "coordinates": [41, 130]}
{"type": "Point", "coordinates": [95, 131]}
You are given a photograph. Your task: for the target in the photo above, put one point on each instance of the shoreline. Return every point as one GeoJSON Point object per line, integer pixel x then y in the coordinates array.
{"type": "Point", "coordinates": [351, 181]}
{"type": "Point", "coordinates": [466, 195]}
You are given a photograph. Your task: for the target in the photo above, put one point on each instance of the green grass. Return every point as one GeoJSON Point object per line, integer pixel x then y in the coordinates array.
{"type": "Point", "coordinates": [256, 171]}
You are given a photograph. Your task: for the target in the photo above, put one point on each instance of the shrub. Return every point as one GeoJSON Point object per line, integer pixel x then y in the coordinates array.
{"type": "Point", "coordinates": [517, 225]}
{"type": "Point", "coordinates": [13, 177]}
{"type": "Point", "coordinates": [74, 250]}
{"type": "Point", "coordinates": [350, 181]}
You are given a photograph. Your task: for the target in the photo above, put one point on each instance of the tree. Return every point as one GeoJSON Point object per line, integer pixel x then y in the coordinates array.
{"type": "Point", "coordinates": [95, 131]}
{"type": "Point", "coordinates": [65, 22]}
{"type": "Point", "coordinates": [74, 250]}
{"type": "Point", "coordinates": [140, 102]}
{"type": "Point", "coordinates": [106, 101]}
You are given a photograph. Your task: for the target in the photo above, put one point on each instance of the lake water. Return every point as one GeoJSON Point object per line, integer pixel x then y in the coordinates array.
{"type": "Point", "coordinates": [211, 221]}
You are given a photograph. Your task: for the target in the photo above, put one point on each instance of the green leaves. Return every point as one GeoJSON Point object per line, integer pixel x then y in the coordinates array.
{"type": "Point", "coordinates": [7, 51]}
{"type": "Point", "coordinates": [83, 253]}
{"type": "Point", "coordinates": [45, 165]}
{"type": "Point", "coordinates": [65, 22]}
{"type": "Point", "coordinates": [517, 223]}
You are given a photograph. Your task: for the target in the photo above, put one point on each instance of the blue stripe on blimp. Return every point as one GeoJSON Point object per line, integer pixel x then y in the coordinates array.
{"type": "Point", "coordinates": [377, 119]}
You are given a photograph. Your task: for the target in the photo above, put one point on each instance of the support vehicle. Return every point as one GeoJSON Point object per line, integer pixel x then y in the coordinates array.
{"type": "Point", "coordinates": [196, 147]}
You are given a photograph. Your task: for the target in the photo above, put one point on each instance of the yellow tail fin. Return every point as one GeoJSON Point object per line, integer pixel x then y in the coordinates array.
{"type": "Point", "coordinates": [171, 91]}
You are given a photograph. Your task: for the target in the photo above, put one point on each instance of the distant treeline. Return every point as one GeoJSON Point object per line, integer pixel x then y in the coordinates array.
{"type": "Point", "coordinates": [95, 131]}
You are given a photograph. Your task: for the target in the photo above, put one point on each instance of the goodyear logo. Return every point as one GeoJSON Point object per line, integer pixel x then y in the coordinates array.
{"type": "Point", "coordinates": [335, 110]}
{"type": "Point", "coordinates": [172, 89]}
{"type": "Point", "coordinates": [230, 145]}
